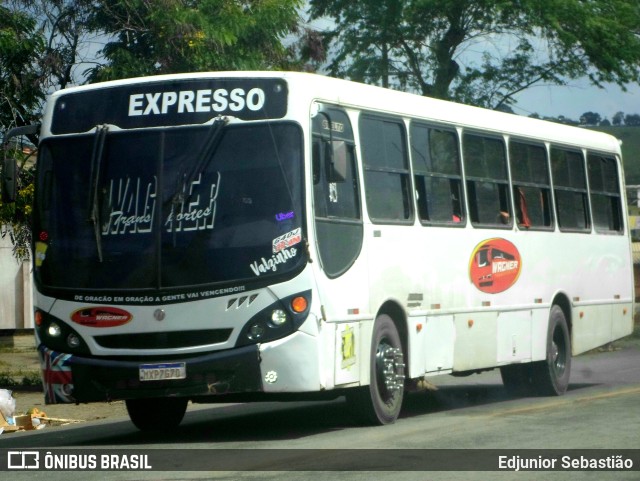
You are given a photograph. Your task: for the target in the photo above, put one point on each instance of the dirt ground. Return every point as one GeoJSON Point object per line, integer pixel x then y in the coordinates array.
{"type": "Point", "coordinates": [21, 360]}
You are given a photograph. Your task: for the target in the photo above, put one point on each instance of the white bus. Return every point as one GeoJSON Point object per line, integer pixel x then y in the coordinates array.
{"type": "Point", "coordinates": [249, 236]}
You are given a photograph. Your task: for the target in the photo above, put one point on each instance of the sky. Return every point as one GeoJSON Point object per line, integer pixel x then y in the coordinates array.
{"type": "Point", "coordinates": [580, 97]}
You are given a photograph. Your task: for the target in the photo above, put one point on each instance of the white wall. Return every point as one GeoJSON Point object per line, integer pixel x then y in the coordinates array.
{"type": "Point", "coordinates": [16, 301]}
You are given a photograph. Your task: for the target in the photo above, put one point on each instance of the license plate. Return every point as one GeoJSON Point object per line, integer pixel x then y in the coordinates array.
{"type": "Point", "coordinates": [163, 371]}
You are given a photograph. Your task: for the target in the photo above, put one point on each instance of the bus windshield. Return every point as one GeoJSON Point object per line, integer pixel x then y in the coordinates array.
{"type": "Point", "coordinates": [154, 209]}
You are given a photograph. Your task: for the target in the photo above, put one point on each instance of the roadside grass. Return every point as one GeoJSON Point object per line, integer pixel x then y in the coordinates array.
{"type": "Point", "coordinates": [12, 376]}
{"type": "Point", "coordinates": [21, 379]}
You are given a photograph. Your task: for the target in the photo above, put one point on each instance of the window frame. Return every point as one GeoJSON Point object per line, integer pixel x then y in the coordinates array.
{"type": "Point", "coordinates": [503, 184]}
{"type": "Point", "coordinates": [404, 174]}
{"type": "Point", "coordinates": [563, 189]}
{"type": "Point", "coordinates": [533, 184]}
{"type": "Point", "coordinates": [425, 174]}
{"type": "Point", "coordinates": [608, 194]}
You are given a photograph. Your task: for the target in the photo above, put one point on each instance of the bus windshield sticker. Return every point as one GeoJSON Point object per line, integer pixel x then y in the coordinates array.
{"type": "Point", "coordinates": [495, 265]}
{"type": "Point", "coordinates": [287, 240]}
{"type": "Point", "coordinates": [266, 265]}
{"type": "Point", "coordinates": [348, 348]}
{"type": "Point", "coordinates": [285, 215]}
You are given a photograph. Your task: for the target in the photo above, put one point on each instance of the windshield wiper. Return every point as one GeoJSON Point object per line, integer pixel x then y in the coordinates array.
{"type": "Point", "coordinates": [94, 200]}
{"type": "Point", "coordinates": [183, 193]}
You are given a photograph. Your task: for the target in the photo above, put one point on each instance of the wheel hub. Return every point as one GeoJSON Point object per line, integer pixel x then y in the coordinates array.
{"type": "Point", "coordinates": [390, 366]}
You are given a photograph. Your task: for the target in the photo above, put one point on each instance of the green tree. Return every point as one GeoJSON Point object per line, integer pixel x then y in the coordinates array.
{"type": "Point", "coordinates": [21, 46]}
{"type": "Point", "coordinates": [618, 118]}
{"type": "Point", "coordinates": [68, 38]}
{"type": "Point", "coordinates": [632, 120]}
{"type": "Point", "coordinates": [21, 94]}
{"type": "Point", "coordinates": [169, 36]}
{"type": "Point", "coordinates": [590, 118]}
{"type": "Point", "coordinates": [482, 52]}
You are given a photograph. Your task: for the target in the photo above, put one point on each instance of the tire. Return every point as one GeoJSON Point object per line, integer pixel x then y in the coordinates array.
{"type": "Point", "coordinates": [551, 376]}
{"type": "Point", "coordinates": [157, 414]}
{"type": "Point", "coordinates": [380, 402]}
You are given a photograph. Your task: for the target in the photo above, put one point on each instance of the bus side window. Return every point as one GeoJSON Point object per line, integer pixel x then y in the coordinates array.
{"type": "Point", "coordinates": [485, 164]}
{"type": "Point", "coordinates": [336, 193]}
{"type": "Point", "coordinates": [335, 188]}
{"type": "Point", "coordinates": [605, 193]}
{"type": "Point", "coordinates": [570, 190]}
{"type": "Point", "coordinates": [386, 170]}
{"type": "Point", "coordinates": [437, 175]}
{"type": "Point", "coordinates": [531, 185]}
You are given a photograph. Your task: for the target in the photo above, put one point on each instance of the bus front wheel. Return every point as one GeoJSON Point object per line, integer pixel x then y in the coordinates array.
{"type": "Point", "coordinates": [158, 414]}
{"type": "Point", "coordinates": [380, 402]}
{"type": "Point", "coordinates": [551, 376]}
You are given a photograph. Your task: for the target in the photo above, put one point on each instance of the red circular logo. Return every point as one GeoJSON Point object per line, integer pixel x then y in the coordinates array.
{"type": "Point", "coordinates": [103, 316]}
{"type": "Point", "coordinates": [495, 265]}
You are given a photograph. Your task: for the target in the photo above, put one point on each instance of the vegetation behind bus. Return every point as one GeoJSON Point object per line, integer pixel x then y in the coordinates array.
{"type": "Point", "coordinates": [423, 46]}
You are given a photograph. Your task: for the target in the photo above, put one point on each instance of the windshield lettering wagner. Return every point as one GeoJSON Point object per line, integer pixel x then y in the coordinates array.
{"type": "Point", "coordinates": [198, 101]}
{"type": "Point", "coordinates": [191, 215]}
{"type": "Point", "coordinates": [132, 207]}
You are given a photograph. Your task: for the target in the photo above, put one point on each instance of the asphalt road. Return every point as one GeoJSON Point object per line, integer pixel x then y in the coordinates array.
{"type": "Point", "coordinates": [601, 410]}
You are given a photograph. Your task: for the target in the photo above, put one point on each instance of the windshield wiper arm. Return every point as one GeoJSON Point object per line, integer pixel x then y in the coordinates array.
{"type": "Point", "coordinates": [94, 200]}
{"type": "Point", "coordinates": [182, 193]}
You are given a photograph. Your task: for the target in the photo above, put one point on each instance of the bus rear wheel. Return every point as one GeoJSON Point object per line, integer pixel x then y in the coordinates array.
{"type": "Point", "coordinates": [158, 414]}
{"type": "Point", "coordinates": [381, 401]}
{"type": "Point", "coordinates": [551, 376]}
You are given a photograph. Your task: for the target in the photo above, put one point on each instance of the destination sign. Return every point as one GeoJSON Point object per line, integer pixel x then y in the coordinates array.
{"type": "Point", "coordinates": [169, 103]}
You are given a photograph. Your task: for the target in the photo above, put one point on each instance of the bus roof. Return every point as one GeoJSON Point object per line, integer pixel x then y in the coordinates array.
{"type": "Point", "coordinates": [362, 96]}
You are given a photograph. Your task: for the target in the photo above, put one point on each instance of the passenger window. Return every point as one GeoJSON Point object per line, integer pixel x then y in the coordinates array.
{"type": "Point", "coordinates": [386, 170]}
{"type": "Point", "coordinates": [485, 164]}
{"type": "Point", "coordinates": [336, 193]}
{"type": "Point", "coordinates": [438, 180]}
{"type": "Point", "coordinates": [531, 185]}
{"type": "Point", "coordinates": [570, 189]}
{"type": "Point", "coordinates": [605, 194]}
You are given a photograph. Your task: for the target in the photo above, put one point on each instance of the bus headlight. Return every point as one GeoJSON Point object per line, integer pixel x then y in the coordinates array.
{"type": "Point", "coordinates": [278, 317]}
{"type": "Point", "coordinates": [54, 330]}
{"type": "Point", "coordinates": [57, 335]}
{"type": "Point", "coordinates": [73, 341]}
{"type": "Point", "coordinates": [256, 332]}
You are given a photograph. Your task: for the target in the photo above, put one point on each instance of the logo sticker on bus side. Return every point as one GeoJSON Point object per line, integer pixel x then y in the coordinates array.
{"type": "Point", "coordinates": [495, 265]}
{"type": "Point", "coordinates": [103, 316]}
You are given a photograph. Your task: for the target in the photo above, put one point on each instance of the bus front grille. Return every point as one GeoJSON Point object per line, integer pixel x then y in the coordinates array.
{"type": "Point", "coordinates": [164, 340]}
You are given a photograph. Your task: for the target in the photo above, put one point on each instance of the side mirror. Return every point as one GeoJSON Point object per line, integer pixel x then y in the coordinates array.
{"type": "Point", "coordinates": [9, 178]}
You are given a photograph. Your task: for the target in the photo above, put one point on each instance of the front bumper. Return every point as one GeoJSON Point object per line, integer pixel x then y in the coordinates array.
{"type": "Point", "coordinates": [68, 378]}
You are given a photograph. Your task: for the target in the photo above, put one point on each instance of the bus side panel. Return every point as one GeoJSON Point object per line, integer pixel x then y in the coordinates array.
{"type": "Point", "coordinates": [514, 336]}
{"type": "Point", "coordinates": [291, 364]}
{"type": "Point", "coordinates": [431, 342]}
{"type": "Point", "coordinates": [475, 346]}
{"type": "Point", "coordinates": [591, 327]}
{"type": "Point", "coordinates": [539, 327]}
{"type": "Point", "coordinates": [595, 326]}
{"type": "Point", "coordinates": [440, 336]}
{"type": "Point", "coordinates": [622, 320]}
